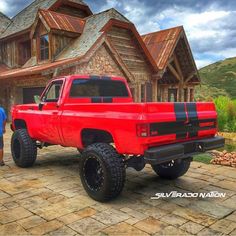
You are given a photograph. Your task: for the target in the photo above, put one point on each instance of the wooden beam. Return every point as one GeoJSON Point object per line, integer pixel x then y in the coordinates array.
{"type": "Point", "coordinates": [174, 72]}
{"type": "Point", "coordinates": [181, 84]}
{"type": "Point", "coordinates": [178, 67]}
{"type": "Point", "coordinates": [171, 59]}
{"type": "Point", "coordinates": [190, 77]}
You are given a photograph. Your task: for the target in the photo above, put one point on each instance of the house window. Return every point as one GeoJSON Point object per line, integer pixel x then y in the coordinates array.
{"type": "Point", "coordinates": [191, 95]}
{"type": "Point", "coordinates": [159, 94]}
{"type": "Point", "coordinates": [143, 93]}
{"type": "Point", "coordinates": [172, 95]}
{"type": "Point", "coordinates": [185, 94]}
{"type": "Point", "coordinates": [146, 92]}
{"type": "Point", "coordinates": [44, 47]}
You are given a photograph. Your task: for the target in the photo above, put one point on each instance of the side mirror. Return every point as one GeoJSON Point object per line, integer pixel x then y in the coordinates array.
{"type": "Point", "coordinates": [37, 99]}
{"type": "Point", "coordinates": [41, 106]}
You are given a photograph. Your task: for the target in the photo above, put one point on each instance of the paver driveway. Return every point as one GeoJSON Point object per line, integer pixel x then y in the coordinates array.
{"type": "Point", "coordinates": [49, 199]}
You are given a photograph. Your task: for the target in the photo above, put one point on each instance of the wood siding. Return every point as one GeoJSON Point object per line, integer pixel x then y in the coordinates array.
{"type": "Point", "coordinates": [72, 11]}
{"type": "Point", "coordinates": [58, 43]}
{"type": "Point", "coordinates": [128, 49]}
{"type": "Point", "coordinates": [132, 55]}
{"type": "Point", "coordinates": [10, 51]}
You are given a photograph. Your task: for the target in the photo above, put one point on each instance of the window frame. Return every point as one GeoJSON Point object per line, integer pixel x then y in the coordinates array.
{"type": "Point", "coordinates": [40, 49]}
{"type": "Point", "coordinates": [44, 98]}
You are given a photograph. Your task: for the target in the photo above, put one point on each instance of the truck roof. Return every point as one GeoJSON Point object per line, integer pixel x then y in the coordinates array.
{"type": "Point", "coordinates": [86, 76]}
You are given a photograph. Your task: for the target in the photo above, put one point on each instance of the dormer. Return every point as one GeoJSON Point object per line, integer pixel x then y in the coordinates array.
{"type": "Point", "coordinates": [52, 32]}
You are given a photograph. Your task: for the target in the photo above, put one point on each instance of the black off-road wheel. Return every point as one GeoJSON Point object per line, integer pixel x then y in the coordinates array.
{"type": "Point", "coordinates": [102, 172]}
{"type": "Point", "coordinates": [172, 169]}
{"type": "Point", "coordinates": [23, 148]}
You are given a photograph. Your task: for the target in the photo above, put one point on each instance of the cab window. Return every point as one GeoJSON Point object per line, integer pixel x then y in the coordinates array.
{"type": "Point", "coordinates": [54, 91]}
{"type": "Point", "coordinates": [98, 88]}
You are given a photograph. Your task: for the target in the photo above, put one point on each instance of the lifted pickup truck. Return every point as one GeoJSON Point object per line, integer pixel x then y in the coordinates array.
{"type": "Point", "coordinates": [97, 116]}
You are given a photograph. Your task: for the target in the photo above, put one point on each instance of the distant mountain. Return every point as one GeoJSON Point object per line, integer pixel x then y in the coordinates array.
{"type": "Point", "coordinates": [218, 79]}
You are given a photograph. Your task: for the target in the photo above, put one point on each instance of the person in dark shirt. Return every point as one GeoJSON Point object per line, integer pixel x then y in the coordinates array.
{"type": "Point", "coordinates": [3, 121]}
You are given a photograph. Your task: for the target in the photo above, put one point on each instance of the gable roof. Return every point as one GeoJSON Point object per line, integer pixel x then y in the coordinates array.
{"type": "Point", "coordinates": [25, 19]}
{"type": "Point", "coordinates": [5, 21]}
{"type": "Point", "coordinates": [161, 44]}
{"type": "Point", "coordinates": [58, 21]}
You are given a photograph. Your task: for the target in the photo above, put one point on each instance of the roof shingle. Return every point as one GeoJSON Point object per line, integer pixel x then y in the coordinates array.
{"type": "Point", "coordinates": [161, 44]}
{"type": "Point", "coordinates": [63, 22]}
{"type": "Point", "coordinates": [5, 21]}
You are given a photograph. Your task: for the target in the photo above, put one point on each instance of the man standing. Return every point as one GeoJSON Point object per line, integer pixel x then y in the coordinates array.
{"type": "Point", "coordinates": [3, 121]}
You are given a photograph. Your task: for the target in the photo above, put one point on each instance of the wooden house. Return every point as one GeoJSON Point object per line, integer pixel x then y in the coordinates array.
{"type": "Point", "coordinates": [60, 37]}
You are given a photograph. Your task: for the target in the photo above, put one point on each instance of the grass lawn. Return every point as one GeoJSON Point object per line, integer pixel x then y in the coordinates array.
{"type": "Point", "coordinates": [204, 158]}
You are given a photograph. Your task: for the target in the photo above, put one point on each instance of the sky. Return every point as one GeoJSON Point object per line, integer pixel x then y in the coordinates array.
{"type": "Point", "coordinates": [210, 25]}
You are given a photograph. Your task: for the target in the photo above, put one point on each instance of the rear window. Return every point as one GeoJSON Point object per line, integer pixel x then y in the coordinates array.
{"type": "Point", "coordinates": [98, 88]}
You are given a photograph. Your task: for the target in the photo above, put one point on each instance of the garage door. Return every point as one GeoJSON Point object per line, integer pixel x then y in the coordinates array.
{"type": "Point", "coordinates": [29, 93]}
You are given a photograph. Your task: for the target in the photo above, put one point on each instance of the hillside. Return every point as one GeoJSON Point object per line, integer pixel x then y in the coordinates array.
{"type": "Point", "coordinates": [218, 79]}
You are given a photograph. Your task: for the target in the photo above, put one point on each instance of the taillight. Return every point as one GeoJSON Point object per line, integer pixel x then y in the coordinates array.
{"type": "Point", "coordinates": [143, 130]}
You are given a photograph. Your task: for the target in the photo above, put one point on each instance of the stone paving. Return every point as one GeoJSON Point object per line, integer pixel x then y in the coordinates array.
{"type": "Point", "coordinates": [48, 199]}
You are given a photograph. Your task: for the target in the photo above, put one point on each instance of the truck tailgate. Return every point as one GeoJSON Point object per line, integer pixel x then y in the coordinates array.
{"type": "Point", "coordinates": [181, 121]}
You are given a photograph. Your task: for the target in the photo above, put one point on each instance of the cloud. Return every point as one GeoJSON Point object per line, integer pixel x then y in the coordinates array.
{"type": "Point", "coordinates": [3, 6]}
{"type": "Point", "coordinates": [209, 24]}
{"type": "Point", "coordinates": [12, 7]}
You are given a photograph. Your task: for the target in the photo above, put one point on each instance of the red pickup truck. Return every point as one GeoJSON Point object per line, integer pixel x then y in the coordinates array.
{"type": "Point", "coordinates": [97, 116]}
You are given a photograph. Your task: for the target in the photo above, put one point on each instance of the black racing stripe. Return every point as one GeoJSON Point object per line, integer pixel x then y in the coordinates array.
{"type": "Point", "coordinates": [193, 119]}
{"type": "Point", "coordinates": [96, 100]}
{"type": "Point", "coordinates": [108, 99]}
{"type": "Point", "coordinates": [192, 111]}
{"type": "Point", "coordinates": [159, 129]}
{"type": "Point", "coordinates": [181, 117]}
{"type": "Point", "coordinates": [180, 112]}
{"type": "Point", "coordinates": [167, 128]}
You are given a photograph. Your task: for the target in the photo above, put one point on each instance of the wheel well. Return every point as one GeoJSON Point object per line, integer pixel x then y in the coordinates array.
{"type": "Point", "coordinates": [20, 124]}
{"type": "Point", "coordinates": [90, 136]}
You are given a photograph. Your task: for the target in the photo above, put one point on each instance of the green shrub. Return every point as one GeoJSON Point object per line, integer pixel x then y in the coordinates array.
{"type": "Point", "coordinates": [226, 109]}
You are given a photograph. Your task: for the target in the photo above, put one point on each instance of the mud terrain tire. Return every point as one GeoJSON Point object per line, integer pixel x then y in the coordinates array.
{"type": "Point", "coordinates": [102, 172]}
{"type": "Point", "coordinates": [23, 148]}
{"type": "Point", "coordinates": [173, 169]}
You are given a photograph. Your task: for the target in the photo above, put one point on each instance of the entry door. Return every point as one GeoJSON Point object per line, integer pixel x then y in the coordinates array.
{"type": "Point", "coordinates": [29, 93]}
{"type": "Point", "coordinates": [172, 95]}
